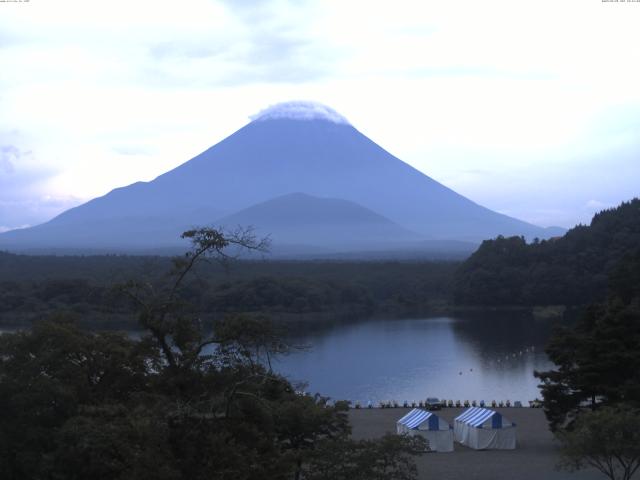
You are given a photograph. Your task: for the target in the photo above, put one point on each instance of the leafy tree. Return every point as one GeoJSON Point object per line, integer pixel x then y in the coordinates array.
{"type": "Point", "coordinates": [598, 360]}
{"type": "Point", "coordinates": [389, 458]}
{"type": "Point", "coordinates": [48, 375]}
{"type": "Point", "coordinates": [164, 313]}
{"type": "Point", "coordinates": [184, 402]}
{"type": "Point", "coordinates": [110, 441]}
{"type": "Point", "coordinates": [625, 279]}
{"type": "Point", "coordinates": [252, 339]}
{"type": "Point", "coordinates": [607, 439]}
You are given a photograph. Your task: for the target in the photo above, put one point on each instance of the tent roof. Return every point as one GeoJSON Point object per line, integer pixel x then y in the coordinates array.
{"type": "Point", "coordinates": [415, 418]}
{"type": "Point", "coordinates": [476, 416]}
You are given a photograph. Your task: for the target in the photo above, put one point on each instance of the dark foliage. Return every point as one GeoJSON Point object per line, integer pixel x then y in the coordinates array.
{"type": "Point", "coordinates": [35, 287]}
{"type": "Point", "coordinates": [607, 439]}
{"type": "Point", "coordinates": [389, 457]}
{"type": "Point", "coordinates": [598, 359]}
{"type": "Point", "coordinates": [77, 405]}
{"type": "Point", "coordinates": [571, 270]}
{"type": "Point", "coordinates": [182, 402]}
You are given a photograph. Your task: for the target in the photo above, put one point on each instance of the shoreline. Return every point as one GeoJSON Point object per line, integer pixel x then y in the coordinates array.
{"type": "Point", "coordinates": [535, 457]}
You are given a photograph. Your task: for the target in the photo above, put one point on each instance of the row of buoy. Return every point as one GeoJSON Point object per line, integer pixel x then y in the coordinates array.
{"type": "Point", "coordinates": [517, 354]}
{"type": "Point", "coordinates": [508, 357]}
{"type": "Point", "coordinates": [536, 403]}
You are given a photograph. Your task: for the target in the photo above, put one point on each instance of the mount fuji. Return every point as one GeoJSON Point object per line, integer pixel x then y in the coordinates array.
{"type": "Point", "coordinates": [299, 171]}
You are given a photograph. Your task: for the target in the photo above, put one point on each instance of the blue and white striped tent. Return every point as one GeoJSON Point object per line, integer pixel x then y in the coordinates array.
{"type": "Point", "coordinates": [434, 429]}
{"type": "Point", "coordinates": [481, 428]}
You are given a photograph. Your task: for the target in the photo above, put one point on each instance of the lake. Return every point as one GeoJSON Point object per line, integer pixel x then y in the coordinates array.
{"type": "Point", "coordinates": [486, 357]}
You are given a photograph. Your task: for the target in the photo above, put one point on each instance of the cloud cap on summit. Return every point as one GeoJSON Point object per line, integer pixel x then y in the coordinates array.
{"type": "Point", "coordinates": [300, 110]}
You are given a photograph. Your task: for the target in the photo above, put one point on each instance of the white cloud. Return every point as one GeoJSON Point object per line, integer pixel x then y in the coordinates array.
{"type": "Point", "coordinates": [8, 156]}
{"type": "Point", "coordinates": [6, 229]}
{"type": "Point", "coordinates": [300, 110]}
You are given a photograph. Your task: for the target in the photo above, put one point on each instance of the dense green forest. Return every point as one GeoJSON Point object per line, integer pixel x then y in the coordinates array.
{"type": "Point", "coordinates": [570, 270]}
{"type": "Point", "coordinates": [597, 359]}
{"type": "Point", "coordinates": [76, 404]}
{"type": "Point", "coordinates": [592, 394]}
{"type": "Point", "coordinates": [33, 287]}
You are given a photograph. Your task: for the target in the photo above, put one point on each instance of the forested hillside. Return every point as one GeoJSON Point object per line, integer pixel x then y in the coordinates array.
{"type": "Point", "coordinates": [597, 358]}
{"type": "Point", "coordinates": [34, 287]}
{"type": "Point", "coordinates": [569, 270]}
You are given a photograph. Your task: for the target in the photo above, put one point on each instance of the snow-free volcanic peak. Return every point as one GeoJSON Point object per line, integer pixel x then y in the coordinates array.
{"type": "Point", "coordinates": [300, 110]}
{"type": "Point", "coordinates": [249, 177]}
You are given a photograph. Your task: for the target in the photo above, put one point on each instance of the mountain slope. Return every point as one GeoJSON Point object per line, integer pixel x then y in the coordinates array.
{"type": "Point", "coordinates": [272, 156]}
{"type": "Point", "coordinates": [302, 219]}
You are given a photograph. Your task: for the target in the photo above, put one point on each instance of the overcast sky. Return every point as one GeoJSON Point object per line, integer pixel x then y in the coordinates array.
{"type": "Point", "coordinates": [531, 107]}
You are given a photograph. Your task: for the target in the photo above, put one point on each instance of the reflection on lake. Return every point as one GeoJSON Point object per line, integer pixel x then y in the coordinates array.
{"type": "Point", "coordinates": [486, 357]}
{"type": "Point", "coordinates": [473, 358]}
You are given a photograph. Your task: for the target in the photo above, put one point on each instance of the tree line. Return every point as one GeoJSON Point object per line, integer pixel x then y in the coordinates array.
{"type": "Point", "coordinates": [35, 287]}
{"type": "Point", "coordinates": [569, 270]}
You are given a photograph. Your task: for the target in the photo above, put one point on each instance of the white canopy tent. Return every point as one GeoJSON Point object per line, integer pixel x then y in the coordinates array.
{"type": "Point", "coordinates": [481, 428]}
{"type": "Point", "coordinates": [428, 425]}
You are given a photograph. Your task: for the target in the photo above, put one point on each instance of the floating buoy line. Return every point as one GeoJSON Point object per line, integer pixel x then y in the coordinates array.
{"type": "Point", "coordinates": [535, 403]}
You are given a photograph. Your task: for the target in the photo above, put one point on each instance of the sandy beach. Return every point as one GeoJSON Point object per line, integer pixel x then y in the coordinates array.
{"type": "Point", "coordinates": [535, 457]}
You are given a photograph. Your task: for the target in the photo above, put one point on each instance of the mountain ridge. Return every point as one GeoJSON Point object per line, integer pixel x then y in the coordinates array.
{"type": "Point", "coordinates": [263, 160]}
{"type": "Point", "coordinates": [330, 222]}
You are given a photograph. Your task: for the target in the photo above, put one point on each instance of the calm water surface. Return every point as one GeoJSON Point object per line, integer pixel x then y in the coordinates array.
{"type": "Point", "coordinates": [474, 358]}
{"type": "Point", "coordinates": [487, 357]}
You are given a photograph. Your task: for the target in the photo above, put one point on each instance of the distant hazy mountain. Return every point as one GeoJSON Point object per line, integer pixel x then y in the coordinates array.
{"type": "Point", "coordinates": [295, 147]}
{"type": "Point", "coordinates": [300, 219]}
